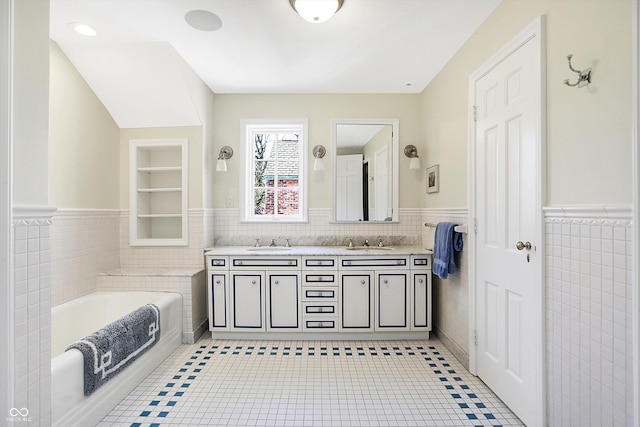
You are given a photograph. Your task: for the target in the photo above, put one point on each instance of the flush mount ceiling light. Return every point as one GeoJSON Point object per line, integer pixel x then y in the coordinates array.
{"type": "Point", "coordinates": [83, 29]}
{"type": "Point", "coordinates": [203, 20]}
{"type": "Point", "coordinates": [316, 11]}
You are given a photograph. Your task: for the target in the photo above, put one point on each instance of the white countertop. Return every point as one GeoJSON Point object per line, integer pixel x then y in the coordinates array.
{"type": "Point", "coordinates": [316, 251]}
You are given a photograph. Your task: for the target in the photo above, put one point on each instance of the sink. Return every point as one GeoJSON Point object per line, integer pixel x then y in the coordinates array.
{"type": "Point", "coordinates": [369, 248]}
{"type": "Point", "coordinates": [269, 249]}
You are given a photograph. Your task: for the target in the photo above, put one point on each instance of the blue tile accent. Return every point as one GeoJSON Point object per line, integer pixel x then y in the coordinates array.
{"type": "Point", "coordinates": [463, 405]}
{"type": "Point", "coordinates": [480, 405]}
{"type": "Point", "coordinates": [154, 403]}
{"type": "Point", "coordinates": [135, 425]}
{"type": "Point", "coordinates": [170, 384]}
{"type": "Point", "coordinates": [472, 416]}
{"type": "Point", "coordinates": [490, 416]}
{"type": "Point", "coordinates": [178, 393]}
{"type": "Point", "coordinates": [163, 414]}
{"type": "Point", "coordinates": [145, 413]}
{"type": "Point", "coordinates": [162, 393]}
{"type": "Point", "coordinates": [154, 425]}
{"type": "Point", "coordinates": [171, 403]}
{"type": "Point", "coordinates": [191, 377]}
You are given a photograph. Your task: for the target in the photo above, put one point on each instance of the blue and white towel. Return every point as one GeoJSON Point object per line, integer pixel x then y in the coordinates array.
{"type": "Point", "coordinates": [446, 241]}
{"type": "Point", "coordinates": [108, 351]}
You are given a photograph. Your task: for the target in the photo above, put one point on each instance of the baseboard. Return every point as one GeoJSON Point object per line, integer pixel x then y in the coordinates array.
{"type": "Point", "coordinates": [455, 349]}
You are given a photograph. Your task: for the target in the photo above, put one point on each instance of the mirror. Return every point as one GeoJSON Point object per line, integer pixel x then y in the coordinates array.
{"type": "Point", "coordinates": [365, 172]}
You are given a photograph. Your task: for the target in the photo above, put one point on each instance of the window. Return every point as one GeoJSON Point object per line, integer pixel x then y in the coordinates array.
{"type": "Point", "coordinates": [274, 184]}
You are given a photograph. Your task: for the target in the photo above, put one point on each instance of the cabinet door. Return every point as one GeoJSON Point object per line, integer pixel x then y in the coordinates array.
{"type": "Point", "coordinates": [421, 301]}
{"type": "Point", "coordinates": [356, 301]}
{"type": "Point", "coordinates": [218, 298]}
{"type": "Point", "coordinates": [392, 295]}
{"type": "Point", "coordinates": [247, 297]}
{"type": "Point", "coordinates": [284, 302]}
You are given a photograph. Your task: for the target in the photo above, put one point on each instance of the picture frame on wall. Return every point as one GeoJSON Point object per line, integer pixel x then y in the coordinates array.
{"type": "Point", "coordinates": [433, 179]}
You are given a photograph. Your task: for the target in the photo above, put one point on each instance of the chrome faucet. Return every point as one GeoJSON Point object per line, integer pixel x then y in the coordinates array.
{"type": "Point", "coordinates": [272, 244]}
{"type": "Point", "coordinates": [287, 245]}
{"type": "Point", "coordinates": [350, 243]}
{"type": "Point", "coordinates": [380, 244]}
{"type": "Point", "coordinates": [366, 243]}
{"type": "Point", "coordinates": [257, 243]}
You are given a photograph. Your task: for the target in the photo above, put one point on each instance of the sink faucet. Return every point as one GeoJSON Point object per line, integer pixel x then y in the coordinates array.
{"type": "Point", "coordinates": [257, 243]}
{"type": "Point", "coordinates": [380, 244]}
{"type": "Point", "coordinates": [272, 244]}
{"type": "Point", "coordinates": [287, 245]}
{"type": "Point", "coordinates": [350, 243]}
{"type": "Point", "coordinates": [366, 243]}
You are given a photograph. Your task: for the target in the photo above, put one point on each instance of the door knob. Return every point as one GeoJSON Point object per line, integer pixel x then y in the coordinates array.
{"type": "Point", "coordinates": [520, 246]}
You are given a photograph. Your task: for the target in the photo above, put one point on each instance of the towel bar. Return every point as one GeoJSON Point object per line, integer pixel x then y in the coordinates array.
{"type": "Point", "coordinates": [458, 228]}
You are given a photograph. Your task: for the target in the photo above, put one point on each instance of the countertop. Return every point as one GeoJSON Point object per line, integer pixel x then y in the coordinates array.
{"type": "Point", "coordinates": [316, 251]}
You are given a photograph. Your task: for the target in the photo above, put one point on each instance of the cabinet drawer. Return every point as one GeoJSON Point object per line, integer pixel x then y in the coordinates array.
{"type": "Point", "coordinates": [352, 262]}
{"type": "Point", "coordinates": [418, 261]}
{"type": "Point", "coordinates": [265, 262]}
{"type": "Point", "coordinates": [317, 308]}
{"type": "Point", "coordinates": [314, 279]}
{"type": "Point", "coordinates": [321, 262]}
{"type": "Point", "coordinates": [320, 294]}
{"type": "Point", "coordinates": [218, 262]}
{"type": "Point", "coordinates": [321, 325]}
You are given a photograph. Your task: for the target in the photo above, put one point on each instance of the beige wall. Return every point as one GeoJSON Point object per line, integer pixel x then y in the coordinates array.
{"type": "Point", "coordinates": [30, 102]}
{"type": "Point", "coordinates": [319, 109]}
{"type": "Point", "coordinates": [589, 129]}
{"type": "Point", "coordinates": [84, 142]}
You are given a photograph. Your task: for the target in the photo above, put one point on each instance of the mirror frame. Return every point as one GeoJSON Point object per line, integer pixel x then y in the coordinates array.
{"type": "Point", "coordinates": [395, 138]}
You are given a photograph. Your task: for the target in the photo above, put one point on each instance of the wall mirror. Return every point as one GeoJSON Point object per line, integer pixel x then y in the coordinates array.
{"type": "Point", "coordinates": [365, 172]}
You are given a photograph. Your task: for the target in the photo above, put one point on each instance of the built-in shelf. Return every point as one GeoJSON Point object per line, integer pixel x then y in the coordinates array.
{"type": "Point", "coordinates": [158, 193]}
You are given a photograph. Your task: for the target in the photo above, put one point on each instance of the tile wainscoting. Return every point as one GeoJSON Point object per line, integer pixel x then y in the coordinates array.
{"type": "Point", "coordinates": [588, 316]}
{"type": "Point", "coordinates": [31, 235]}
{"type": "Point", "coordinates": [450, 296]}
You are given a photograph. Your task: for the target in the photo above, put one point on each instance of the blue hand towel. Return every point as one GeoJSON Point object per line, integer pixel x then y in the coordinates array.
{"type": "Point", "coordinates": [446, 241]}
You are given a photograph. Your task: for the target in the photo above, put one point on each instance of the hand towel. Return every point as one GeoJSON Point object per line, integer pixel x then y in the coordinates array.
{"type": "Point", "coordinates": [446, 240]}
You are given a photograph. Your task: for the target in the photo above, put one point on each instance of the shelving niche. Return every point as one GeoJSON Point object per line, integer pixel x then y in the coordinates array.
{"type": "Point", "coordinates": [158, 193]}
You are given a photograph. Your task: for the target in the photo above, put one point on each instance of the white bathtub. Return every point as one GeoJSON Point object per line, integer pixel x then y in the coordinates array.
{"type": "Point", "coordinates": [80, 317]}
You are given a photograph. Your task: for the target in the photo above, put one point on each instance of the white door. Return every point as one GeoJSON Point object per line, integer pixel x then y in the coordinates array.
{"type": "Point", "coordinates": [356, 302]}
{"type": "Point", "coordinates": [392, 302]}
{"type": "Point", "coordinates": [349, 187]}
{"type": "Point", "coordinates": [247, 302]}
{"type": "Point", "coordinates": [381, 184]}
{"type": "Point", "coordinates": [508, 210]}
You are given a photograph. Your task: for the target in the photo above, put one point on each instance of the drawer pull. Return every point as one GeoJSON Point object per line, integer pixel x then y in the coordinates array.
{"type": "Point", "coordinates": [319, 294]}
{"type": "Point", "coordinates": [317, 324]}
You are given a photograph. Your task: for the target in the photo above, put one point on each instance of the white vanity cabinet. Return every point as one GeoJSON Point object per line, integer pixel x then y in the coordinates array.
{"type": "Point", "coordinates": [421, 292]}
{"type": "Point", "coordinates": [265, 294]}
{"type": "Point", "coordinates": [218, 293]}
{"type": "Point", "coordinates": [354, 295]}
{"type": "Point", "coordinates": [320, 294]}
{"type": "Point", "coordinates": [374, 293]}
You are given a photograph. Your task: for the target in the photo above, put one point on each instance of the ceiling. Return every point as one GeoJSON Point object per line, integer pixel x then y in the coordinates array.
{"type": "Point", "coordinates": [135, 62]}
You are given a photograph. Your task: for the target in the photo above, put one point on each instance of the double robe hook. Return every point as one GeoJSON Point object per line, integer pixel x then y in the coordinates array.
{"type": "Point", "coordinates": [584, 76]}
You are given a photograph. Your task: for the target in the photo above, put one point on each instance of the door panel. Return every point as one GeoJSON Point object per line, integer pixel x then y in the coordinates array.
{"type": "Point", "coordinates": [506, 198]}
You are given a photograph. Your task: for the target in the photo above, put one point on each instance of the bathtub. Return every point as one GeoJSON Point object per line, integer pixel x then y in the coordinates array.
{"type": "Point", "coordinates": [80, 317]}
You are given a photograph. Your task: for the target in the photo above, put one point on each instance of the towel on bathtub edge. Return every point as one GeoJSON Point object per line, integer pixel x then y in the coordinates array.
{"type": "Point", "coordinates": [109, 350]}
{"type": "Point", "coordinates": [446, 241]}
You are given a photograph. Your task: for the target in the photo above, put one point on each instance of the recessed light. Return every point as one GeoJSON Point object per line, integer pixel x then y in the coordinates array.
{"type": "Point", "coordinates": [408, 84]}
{"type": "Point", "coordinates": [83, 29]}
{"type": "Point", "coordinates": [203, 20]}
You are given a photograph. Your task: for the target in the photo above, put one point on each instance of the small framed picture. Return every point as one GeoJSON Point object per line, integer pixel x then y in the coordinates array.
{"type": "Point", "coordinates": [433, 179]}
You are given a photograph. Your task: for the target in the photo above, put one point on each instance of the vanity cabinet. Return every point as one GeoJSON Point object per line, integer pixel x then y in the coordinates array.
{"type": "Point", "coordinates": [361, 295]}
{"type": "Point", "coordinates": [320, 294]}
{"type": "Point", "coordinates": [265, 294]}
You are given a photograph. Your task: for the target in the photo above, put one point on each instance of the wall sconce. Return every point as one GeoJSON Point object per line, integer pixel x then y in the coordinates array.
{"type": "Point", "coordinates": [412, 152]}
{"type": "Point", "coordinates": [318, 152]}
{"type": "Point", "coordinates": [226, 152]}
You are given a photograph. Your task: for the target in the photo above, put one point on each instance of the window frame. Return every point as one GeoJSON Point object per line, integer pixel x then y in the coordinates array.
{"type": "Point", "coordinates": [248, 127]}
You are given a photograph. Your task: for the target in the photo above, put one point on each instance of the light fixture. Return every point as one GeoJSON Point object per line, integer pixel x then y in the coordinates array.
{"type": "Point", "coordinates": [412, 152]}
{"type": "Point", "coordinates": [83, 29]}
{"type": "Point", "coordinates": [316, 11]}
{"type": "Point", "coordinates": [318, 152]}
{"type": "Point", "coordinates": [226, 152]}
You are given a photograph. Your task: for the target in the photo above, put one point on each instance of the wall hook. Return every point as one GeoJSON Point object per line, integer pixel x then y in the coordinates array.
{"type": "Point", "coordinates": [584, 76]}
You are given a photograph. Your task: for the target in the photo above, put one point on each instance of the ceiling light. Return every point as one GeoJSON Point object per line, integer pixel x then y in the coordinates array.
{"type": "Point", "coordinates": [203, 20]}
{"type": "Point", "coordinates": [316, 11]}
{"type": "Point", "coordinates": [83, 29]}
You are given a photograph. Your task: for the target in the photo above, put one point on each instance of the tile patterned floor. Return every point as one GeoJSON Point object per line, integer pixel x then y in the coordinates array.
{"type": "Point", "coordinates": [311, 383]}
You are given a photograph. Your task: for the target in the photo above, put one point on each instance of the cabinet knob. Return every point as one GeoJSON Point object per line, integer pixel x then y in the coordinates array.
{"type": "Point", "coordinates": [420, 280]}
{"type": "Point", "coordinates": [218, 282]}
{"type": "Point", "coordinates": [277, 281]}
{"type": "Point", "coordinates": [386, 281]}
{"type": "Point", "coordinates": [253, 282]}
{"type": "Point", "coordinates": [362, 281]}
